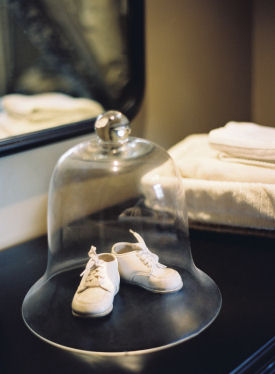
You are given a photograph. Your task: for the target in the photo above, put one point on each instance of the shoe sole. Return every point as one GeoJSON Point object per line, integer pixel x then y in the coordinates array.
{"type": "Point", "coordinates": [92, 315]}
{"type": "Point", "coordinates": [95, 315]}
{"type": "Point", "coordinates": [153, 289]}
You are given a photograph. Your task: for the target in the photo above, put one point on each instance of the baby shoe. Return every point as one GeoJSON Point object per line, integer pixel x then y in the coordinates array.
{"type": "Point", "coordinates": [99, 284]}
{"type": "Point", "coordinates": [139, 266]}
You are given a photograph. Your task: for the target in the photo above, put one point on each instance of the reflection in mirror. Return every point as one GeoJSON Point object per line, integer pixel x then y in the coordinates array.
{"type": "Point", "coordinates": [63, 62]}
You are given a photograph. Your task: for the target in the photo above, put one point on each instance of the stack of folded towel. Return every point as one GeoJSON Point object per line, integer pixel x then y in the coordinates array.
{"type": "Point", "coordinates": [229, 175]}
{"type": "Point", "coordinates": [27, 113]}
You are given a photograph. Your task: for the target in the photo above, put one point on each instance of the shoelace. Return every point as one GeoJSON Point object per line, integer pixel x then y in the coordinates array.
{"type": "Point", "coordinates": [147, 257]}
{"type": "Point", "coordinates": [150, 259]}
{"type": "Point", "coordinates": [94, 271]}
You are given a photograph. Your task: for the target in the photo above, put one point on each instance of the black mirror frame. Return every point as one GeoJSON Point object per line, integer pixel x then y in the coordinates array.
{"type": "Point", "coordinates": [134, 94]}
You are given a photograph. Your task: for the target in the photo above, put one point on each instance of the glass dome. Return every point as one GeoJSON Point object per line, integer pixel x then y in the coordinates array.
{"type": "Point", "coordinates": [99, 190]}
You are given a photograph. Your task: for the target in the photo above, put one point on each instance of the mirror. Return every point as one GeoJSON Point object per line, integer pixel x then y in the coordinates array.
{"type": "Point", "coordinates": [64, 62]}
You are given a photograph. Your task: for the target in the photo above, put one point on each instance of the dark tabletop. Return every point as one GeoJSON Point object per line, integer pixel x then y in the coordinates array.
{"type": "Point", "coordinates": [241, 265]}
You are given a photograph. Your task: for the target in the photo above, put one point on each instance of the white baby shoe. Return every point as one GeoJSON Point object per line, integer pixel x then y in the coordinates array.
{"type": "Point", "coordinates": [98, 287]}
{"type": "Point", "coordinates": [139, 266]}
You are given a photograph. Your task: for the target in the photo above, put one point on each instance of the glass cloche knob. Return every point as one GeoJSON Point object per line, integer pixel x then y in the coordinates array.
{"type": "Point", "coordinates": [113, 126]}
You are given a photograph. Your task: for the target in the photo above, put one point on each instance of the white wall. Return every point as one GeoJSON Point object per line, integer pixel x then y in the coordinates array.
{"type": "Point", "coordinates": [24, 181]}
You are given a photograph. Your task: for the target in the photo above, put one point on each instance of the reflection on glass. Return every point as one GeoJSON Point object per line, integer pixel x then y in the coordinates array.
{"type": "Point", "coordinates": [60, 61]}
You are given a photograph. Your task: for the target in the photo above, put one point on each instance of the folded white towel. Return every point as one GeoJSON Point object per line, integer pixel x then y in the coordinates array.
{"type": "Point", "coordinates": [43, 107]}
{"type": "Point", "coordinates": [219, 200]}
{"type": "Point", "coordinates": [21, 113]}
{"type": "Point", "coordinates": [245, 139]}
{"type": "Point", "coordinates": [196, 159]}
{"type": "Point", "coordinates": [234, 204]}
{"type": "Point", "coordinates": [3, 132]}
{"type": "Point", "coordinates": [10, 126]}
{"type": "Point", "coordinates": [222, 190]}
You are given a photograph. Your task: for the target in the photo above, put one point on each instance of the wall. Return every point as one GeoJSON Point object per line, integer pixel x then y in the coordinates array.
{"type": "Point", "coordinates": [216, 65]}
{"type": "Point", "coordinates": [263, 68]}
{"type": "Point", "coordinates": [24, 185]}
{"type": "Point", "coordinates": [198, 61]}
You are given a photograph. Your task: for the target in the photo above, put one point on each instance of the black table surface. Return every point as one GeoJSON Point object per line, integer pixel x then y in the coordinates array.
{"type": "Point", "coordinates": [241, 265]}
